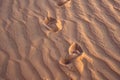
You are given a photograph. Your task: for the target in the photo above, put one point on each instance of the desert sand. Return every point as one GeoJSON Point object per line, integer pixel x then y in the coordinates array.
{"type": "Point", "coordinates": [59, 39]}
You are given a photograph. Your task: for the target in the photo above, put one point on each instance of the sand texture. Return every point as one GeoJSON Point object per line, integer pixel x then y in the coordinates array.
{"type": "Point", "coordinates": [59, 39]}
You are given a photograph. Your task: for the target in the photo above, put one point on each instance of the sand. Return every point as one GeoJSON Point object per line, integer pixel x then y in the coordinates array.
{"type": "Point", "coordinates": [59, 39]}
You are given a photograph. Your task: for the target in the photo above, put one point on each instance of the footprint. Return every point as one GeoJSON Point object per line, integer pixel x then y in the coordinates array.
{"type": "Point", "coordinates": [75, 49]}
{"type": "Point", "coordinates": [50, 20]}
{"type": "Point", "coordinates": [52, 24]}
{"type": "Point", "coordinates": [62, 2]}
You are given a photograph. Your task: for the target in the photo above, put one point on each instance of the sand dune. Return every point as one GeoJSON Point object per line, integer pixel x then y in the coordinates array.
{"type": "Point", "coordinates": [59, 39]}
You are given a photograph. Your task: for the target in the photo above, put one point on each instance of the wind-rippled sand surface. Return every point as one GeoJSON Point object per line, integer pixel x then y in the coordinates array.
{"type": "Point", "coordinates": [59, 39]}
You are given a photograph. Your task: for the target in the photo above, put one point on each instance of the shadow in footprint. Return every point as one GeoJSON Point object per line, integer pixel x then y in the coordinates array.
{"type": "Point", "coordinates": [51, 24]}
{"type": "Point", "coordinates": [50, 20]}
{"type": "Point", "coordinates": [61, 3]}
{"type": "Point", "coordinates": [65, 61]}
